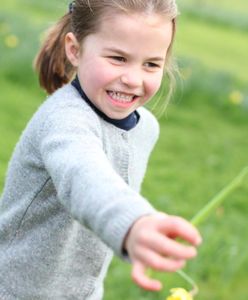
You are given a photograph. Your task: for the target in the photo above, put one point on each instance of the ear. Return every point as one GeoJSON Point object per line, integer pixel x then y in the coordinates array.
{"type": "Point", "coordinates": [72, 48]}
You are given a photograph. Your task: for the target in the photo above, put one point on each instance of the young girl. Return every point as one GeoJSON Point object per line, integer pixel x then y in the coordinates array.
{"type": "Point", "coordinates": [72, 197]}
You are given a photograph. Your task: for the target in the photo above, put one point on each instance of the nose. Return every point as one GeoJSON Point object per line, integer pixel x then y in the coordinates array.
{"type": "Point", "coordinates": [132, 78]}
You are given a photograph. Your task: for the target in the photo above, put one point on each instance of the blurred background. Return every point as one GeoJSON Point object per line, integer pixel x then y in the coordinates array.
{"type": "Point", "coordinates": [203, 141]}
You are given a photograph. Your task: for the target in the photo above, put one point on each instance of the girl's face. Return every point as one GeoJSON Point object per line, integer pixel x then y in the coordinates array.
{"type": "Point", "coordinates": [121, 66]}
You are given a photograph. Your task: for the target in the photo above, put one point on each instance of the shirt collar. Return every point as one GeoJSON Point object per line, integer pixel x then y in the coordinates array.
{"type": "Point", "coordinates": [127, 123]}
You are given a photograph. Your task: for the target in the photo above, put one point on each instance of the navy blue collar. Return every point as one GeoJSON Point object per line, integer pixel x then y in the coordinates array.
{"type": "Point", "coordinates": [127, 123]}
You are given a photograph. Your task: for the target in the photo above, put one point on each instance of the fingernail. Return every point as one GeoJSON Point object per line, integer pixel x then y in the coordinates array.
{"type": "Point", "coordinates": [198, 240]}
{"type": "Point", "coordinates": [193, 251]}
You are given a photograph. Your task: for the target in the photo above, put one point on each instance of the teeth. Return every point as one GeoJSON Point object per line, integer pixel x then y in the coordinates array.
{"type": "Point", "coordinates": [120, 97]}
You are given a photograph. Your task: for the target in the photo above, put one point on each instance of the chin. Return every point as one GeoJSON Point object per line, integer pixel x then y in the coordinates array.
{"type": "Point", "coordinates": [117, 115]}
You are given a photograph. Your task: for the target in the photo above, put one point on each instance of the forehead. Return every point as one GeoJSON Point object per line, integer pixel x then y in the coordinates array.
{"type": "Point", "coordinates": [134, 31]}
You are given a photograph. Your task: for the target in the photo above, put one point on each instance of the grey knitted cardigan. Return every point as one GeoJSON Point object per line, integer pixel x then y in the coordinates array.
{"type": "Point", "coordinates": [71, 195]}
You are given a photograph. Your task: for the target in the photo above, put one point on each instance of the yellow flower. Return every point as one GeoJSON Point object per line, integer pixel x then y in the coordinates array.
{"type": "Point", "coordinates": [236, 97]}
{"type": "Point", "coordinates": [179, 294]}
{"type": "Point", "coordinates": [11, 41]}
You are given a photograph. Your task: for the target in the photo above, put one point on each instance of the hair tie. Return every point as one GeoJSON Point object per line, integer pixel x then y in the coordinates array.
{"type": "Point", "coordinates": [71, 6]}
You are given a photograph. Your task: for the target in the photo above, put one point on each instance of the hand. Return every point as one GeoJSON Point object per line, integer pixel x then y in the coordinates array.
{"type": "Point", "coordinates": [151, 243]}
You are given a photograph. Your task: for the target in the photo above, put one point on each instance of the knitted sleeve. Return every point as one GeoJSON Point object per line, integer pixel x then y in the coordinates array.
{"type": "Point", "coordinates": [86, 184]}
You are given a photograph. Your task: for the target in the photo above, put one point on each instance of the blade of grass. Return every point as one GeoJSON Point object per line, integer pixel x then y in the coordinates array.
{"type": "Point", "coordinates": [219, 198]}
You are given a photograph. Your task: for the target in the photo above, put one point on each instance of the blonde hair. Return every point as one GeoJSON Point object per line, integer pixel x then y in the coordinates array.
{"type": "Point", "coordinates": [53, 67]}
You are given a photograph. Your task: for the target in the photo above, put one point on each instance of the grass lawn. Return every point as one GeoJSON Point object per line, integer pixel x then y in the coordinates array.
{"type": "Point", "coordinates": [240, 7]}
{"type": "Point", "coordinates": [203, 140]}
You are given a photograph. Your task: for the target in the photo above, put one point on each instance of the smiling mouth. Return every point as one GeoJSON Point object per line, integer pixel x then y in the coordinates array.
{"type": "Point", "coordinates": [122, 97]}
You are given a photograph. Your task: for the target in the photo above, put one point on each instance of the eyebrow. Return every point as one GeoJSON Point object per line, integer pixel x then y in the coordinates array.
{"type": "Point", "coordinates": [125, 54]}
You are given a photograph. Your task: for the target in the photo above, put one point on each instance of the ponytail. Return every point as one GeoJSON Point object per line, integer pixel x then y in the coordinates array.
{"type": "Point", "coordinates": [53, 67]}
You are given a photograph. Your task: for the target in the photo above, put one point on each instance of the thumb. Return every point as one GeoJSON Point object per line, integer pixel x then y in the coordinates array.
{"type": "Point", "coordinates": [141, 279]}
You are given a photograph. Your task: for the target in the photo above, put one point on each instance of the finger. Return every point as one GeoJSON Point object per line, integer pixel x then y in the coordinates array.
{"type": "Point", "coordinates": [157, 262]}
{"type": "Point", "coordinates": [168, 247]}
{"type": "Point", "coordinates": [174, 226]}
{"type": "Point", "coordinates": [142, 280]}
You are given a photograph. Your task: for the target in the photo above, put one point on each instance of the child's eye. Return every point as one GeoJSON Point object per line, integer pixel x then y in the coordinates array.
{"type": "Point", "coordinates": [118, 58]}
{"type": "Point", "coordinates": [152, 65]}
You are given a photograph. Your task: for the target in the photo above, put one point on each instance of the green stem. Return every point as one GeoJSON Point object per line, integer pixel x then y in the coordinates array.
{"type": "Point", "coordinates": [219, 198]}
{"type": "Point", "coordinates": [188, 279]}
{"type": "Point", "coordinates": [207, 209]}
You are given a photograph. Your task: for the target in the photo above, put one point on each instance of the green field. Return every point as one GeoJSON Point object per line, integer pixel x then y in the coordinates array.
{"type": "Point", "coordinates": [203, 141]}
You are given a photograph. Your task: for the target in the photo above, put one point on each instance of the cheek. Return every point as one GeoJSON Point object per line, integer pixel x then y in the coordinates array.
{"type": "Point", "coordinates": [154, 85]}
{"type": "Point", "coordinates": [107, 73]}
{"type": "Point", "coordinates": [100, 77]}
